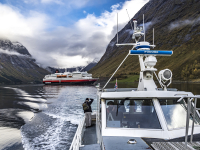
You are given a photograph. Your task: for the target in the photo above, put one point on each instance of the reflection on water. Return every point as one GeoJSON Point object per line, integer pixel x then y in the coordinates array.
{"type": "Point", "coordinates": [10, 138]}
{"type": "Point", "coordinates": [17, 107]}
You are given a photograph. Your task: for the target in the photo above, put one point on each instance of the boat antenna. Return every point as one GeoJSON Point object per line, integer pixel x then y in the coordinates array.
{"type": "Point", "coordinates": [129, 19]}
{"type": "Point", "coordinates": [153, 37]}
{"type": "Point", "coordinates": [117, 28]}
{"type": "Point", "coordinates": [143, 28]}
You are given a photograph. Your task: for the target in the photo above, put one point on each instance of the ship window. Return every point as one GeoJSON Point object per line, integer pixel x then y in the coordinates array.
{"type": "Point", "coordinates": [131, 114]}
{"type": "Point", "coordinates": [175, 113]}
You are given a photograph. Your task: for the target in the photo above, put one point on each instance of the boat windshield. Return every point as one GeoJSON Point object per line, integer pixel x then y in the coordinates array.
{"type": "Point", "coordinates": [175, 113]}
{"type": "Point", "coordinates": [131, 114]}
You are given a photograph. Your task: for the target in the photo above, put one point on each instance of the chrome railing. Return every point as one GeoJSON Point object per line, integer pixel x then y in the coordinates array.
{"type": "Point", "coordinates": [99, 135]}
{"type": "Point", "coordinates": [77, 140]}
{"type": "Point", "coordinates": [191, 111]}
{"type": "Point", "coordinates": [98, 121]}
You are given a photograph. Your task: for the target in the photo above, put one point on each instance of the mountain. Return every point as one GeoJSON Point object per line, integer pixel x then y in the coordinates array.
{"type": "Point", "coordinates": [177, 28]}
{"type": "Point", "coordinates": [80, 68]}
{"type": "Point", "coordinates": [89, 66]}
{"type": "Point", "coordinates": [17, 65]}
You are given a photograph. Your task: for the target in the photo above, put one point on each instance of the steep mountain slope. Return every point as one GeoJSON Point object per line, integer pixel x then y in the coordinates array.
{"type": "Point", "coordinates": [89, 66]}
{"type": "Point", "coordinates": [176, 24]}
{"type": "Point", "coordinates": [17, 65]}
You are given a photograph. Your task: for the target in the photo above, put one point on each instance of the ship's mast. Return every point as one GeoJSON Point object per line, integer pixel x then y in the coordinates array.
{"type": "Point", "coordinates": [147, 60]}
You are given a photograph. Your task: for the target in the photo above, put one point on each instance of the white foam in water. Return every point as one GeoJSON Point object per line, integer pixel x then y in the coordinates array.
{"type": "Point", "coordinates": [72, 118]}
{"type": "Point", "coordinates": [49, 140]}
{"type": "Point", "coordinates": [26, 115]}
{"type": "Point", "coordinates": [52, 139]}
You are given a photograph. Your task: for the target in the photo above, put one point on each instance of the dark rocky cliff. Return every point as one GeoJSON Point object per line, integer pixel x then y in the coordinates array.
{"type": "Point", "coordinates": [17, 65]}
{"type": "Point", "coordinates": [177, 28]}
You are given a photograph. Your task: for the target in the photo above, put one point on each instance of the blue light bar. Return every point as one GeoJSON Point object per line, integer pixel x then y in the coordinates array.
{"type": "Point", "coordinates": [150, 52]}
{"type": "Point", "coordinates": [142, 46]}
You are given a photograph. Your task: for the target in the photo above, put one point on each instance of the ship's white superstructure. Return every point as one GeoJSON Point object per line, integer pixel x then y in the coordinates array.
{"type": "Point", "coordinates": [75, 77]}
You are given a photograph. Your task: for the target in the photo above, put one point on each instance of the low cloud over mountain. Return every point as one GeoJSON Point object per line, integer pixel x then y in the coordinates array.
{"type": "Point", "coordinates": [52, 44]}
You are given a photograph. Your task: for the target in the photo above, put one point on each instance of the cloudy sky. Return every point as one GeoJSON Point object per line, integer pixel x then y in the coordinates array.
{"type": "Point", "coordinates": [64, 33]}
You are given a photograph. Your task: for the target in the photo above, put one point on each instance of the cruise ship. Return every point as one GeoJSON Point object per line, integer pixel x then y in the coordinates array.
{"type": "Point", "coordinates": [75, 77]}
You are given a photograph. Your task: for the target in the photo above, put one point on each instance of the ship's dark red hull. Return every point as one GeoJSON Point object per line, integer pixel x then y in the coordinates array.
{"type": "Point", "coordinates": [78, 81]}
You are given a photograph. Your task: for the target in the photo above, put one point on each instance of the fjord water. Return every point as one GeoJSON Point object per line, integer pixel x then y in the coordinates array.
{"type": "Point", "coordinates": [42, 117]}
{"type": "Point", "coordinates": [46, 117]}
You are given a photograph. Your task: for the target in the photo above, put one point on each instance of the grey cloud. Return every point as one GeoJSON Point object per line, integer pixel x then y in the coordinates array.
{"type": "Point", "coordinates": [114, 30]}
{"type": "Point", "coordinates": [8, 52]}
{"type": "Point", "coordinates": [76, 46]}
{"type": "Point", "coordinates": [181, 23]}
{"type": "Point", "coordinates": [97, 36]}
{"type": "Point", "coordinates": [65, 43]}
{"type": "Point", "coordinates": [47, 42]}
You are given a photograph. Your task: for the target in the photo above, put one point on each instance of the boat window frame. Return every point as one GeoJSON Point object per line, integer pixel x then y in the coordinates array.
{"type": "Point", "coordinates": [154, 105]}
{"type": "Point", "coordinates": [179, 128]}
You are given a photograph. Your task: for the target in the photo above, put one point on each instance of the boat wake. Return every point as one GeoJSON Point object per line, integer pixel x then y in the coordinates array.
{"type": "Point", "coordinates": [51, 134]}
{"type": "Point", "coordinates": [54, 127]}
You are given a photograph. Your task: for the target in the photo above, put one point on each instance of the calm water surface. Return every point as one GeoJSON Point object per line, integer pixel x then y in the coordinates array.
{"type": "Point", "coordinates": [46, 117]}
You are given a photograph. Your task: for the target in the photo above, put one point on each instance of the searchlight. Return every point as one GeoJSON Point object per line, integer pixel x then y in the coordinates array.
{"type": "Point", "coordinates": [165, 77]}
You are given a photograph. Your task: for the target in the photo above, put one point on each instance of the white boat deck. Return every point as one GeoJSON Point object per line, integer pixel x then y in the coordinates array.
{"type": "Point", "coordinates": [120, 143]}
{"type": "Point", "coordinates": [89, 140]}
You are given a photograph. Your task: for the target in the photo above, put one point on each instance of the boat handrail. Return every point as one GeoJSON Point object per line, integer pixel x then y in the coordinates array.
{"type": "Point", "coordinates": [190, 111]}
{"type": "Point", "coordinates": [168, 89]}
{"type": "Point", "coordinates": [98, 120]}
{"type": "Point", "coordinates": [119, 89]}
{"type": "Point", "coordinates": [133, 89]}
{"type": "Point", "coordinates": [77, 140]}
{"type": "Point", "coordinates": [98, 131]}
{"type": "Point", "coordinates": [99, 137]}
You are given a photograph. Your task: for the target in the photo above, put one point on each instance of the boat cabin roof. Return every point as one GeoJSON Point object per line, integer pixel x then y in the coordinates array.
{"type": "Point", "coordinates": [132, 94]}
{"type": "Point", "coordinates": [155, 114]}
